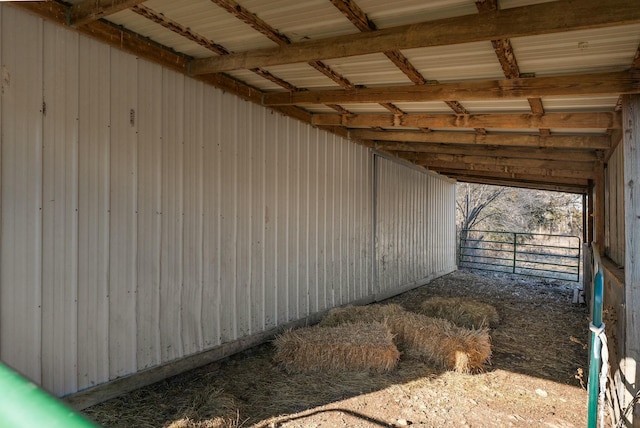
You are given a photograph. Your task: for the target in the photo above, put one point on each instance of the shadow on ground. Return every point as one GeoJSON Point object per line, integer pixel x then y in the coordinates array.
{"type": "Point", "coordinates": [541, 335]}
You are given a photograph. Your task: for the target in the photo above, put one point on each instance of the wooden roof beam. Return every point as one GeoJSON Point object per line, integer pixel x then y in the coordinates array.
{"type": "Point", "coordinates": [554, 185]}
{"type": "Point", "coordinates": [431, 158]}
{"type": "Point", "coordinates": [546, 18]}
{"type": "Point", "coordinates": [498, 151]}
{"type": "Point", "coordinates": [590, 120]}
{"type": "Point", "coordinates": [128, 41]}
{"type": "Point", "coordinates": [187, 33]}
{"type": "Point", "coordinates": [600, 142]}
{"type": "Point", "coordinates": [607, 83]}
{"type": "Point", "coordinates": [91, 10]}
{"type": "Point", "coordinates": [556, 171]}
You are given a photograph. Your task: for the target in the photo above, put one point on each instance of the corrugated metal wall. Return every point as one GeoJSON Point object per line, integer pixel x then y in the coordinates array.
{"type": "Point", "coordinates": [614, 207]}
{"type": "Point", "coordinates": [146, 217]}
{"type": "Point", "coordinates": [415, 225]}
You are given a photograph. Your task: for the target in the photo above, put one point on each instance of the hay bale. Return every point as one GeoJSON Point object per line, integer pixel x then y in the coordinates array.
{"type": "Point", "coordinates": [352, 347]}
{"type": "Point", "coordinates": [441, 342]}
{"type": "Point", "coordinates": [460, 311]}
{"type": "Point", "coordinates": [360, 314]}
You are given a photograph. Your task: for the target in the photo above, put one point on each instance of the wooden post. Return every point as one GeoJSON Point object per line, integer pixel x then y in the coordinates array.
{"type": "Point", "coordinates": [599, 202]}
{"type": "Point", "coordinates": [631, 360]}
{"type": "Point", "coordinates": [590, 213]}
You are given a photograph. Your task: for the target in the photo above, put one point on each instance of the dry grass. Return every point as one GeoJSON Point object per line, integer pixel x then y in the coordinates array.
{"type": "Point", "coordinates": [353, 347]}
{"type": "Point", "coordinates": [463, 312]}
{"type": "Point", "coordinates": [524, 343]}
{"type": "Point", "coordinates": [360, 314]}
{"type": "Point", "coordinates": [440, 342]}
{"type": "Point", "coordinates": [196, 406]}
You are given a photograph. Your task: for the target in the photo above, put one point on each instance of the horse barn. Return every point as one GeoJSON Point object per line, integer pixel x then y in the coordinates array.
{"type": "Point", "coordinates": [181, 180]}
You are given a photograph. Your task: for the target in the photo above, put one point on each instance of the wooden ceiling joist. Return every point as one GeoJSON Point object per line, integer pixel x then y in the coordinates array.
{"type": "Point", "coordinates": [544, 164]}
{"type": "Point", "coordinates": [91, 10]}
{"type": "Point", "coordinates": [438, 165]}
{"type": "Point", "coordinates": [522, 21]}
{"type": "Point", "coordinates": [606, 83]}
{"type": "Point", "coordinates": [595, 120]}
{"type": "Point", "coordinates": [497, 151]}
{"type": "Point", "coordinates": [517, 180]}
{"type": "Point", "coordinates": [601, 142]}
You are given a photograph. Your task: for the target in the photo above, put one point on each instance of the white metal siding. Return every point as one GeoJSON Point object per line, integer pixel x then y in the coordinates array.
{"type": "Point", "coordinates": [146, 217]}
{"type": "Point", "coordinates": [21, 264]}
{"type": "Point", "coordinates": [415, 225]}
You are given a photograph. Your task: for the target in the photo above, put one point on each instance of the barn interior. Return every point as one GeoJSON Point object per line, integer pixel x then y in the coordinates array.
{"type": "Point", "coordinates": [526, 93]}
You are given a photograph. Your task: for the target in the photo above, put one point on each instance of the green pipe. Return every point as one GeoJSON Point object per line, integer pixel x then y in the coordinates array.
{"type": "Point", "coordinates": [594, 363]}
{"type": "Point", "coordinates": [23, 404]}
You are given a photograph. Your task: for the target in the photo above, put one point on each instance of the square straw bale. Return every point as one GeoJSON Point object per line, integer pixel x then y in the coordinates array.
{"type": "Point", "coordinates": [460, 311]}
{"type": "Point", "coordinates": [360, 314]}
{"type": "Point", "coordinates": [349, 347]}
{"type": "Point", "coordinates": [441, 342]}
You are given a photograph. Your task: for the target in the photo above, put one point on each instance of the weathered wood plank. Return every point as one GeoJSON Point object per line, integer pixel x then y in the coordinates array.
{"type": "Point", "coordinates": [542, 172]}
{"type": "Point", "coordinates": [625, 82]}
{"type": "Point", "coordinates": [604, 120]}
{"type": "Point", "coordinates": [629, 365]}
{"type": "Point", "coordinates": [513, 152]}
{"type": "Point", "coordinates": [500, 161]}
{"type": "Point", "coordinates": [516, 22]}
{"type": "Point", "coordinates": [564, 141]}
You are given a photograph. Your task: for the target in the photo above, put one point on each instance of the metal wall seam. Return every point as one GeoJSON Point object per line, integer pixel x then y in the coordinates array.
{"type": "Point", "coordinates": [93, 213]}
{"type": "Point", "coordinates": [149, 228]}
{"type": "Point", "coordinates": [60, 210]}
{"type": "Point", "coordinates": [123, 215]}
{"type": "Point", "coordinates": [172, 215]}
{"type": "Point", "coordinates": [211, 293]}
{"type": "Point", "coordinates": [21, 265]}
{"type": "Point", "coordinates": [192, 190]}
{"type": "Point", "coordinates": [257, 202]}
{"type": "Point", "coordinates": [243, 122]}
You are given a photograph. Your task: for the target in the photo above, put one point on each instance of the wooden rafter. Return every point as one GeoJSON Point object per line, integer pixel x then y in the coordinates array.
{"type": "Point", "coordinates": [508, 62]}
{"type": "Point", "coordinates": [187, 33]}
{"type": "Point", "coordinates": [607, 83]}
{"type": "Point", "coordinates": [548, 170]}
{"type": "Point", "coordinates": [601, 142]}
{"type": "Point", "coordinates": [499, 151]}
{"type": "Point", "coordinates": [557, 184]}
{"type": "Point", "coordinates": [358, 18]}
{"type": "Point", "coordinates": [551, 17]}
{"type": "Point", "coordinates": [177, 28]}
{"type": "Point", "coordinates": [88, 11]}
{"type": "Point", "coordinates": [142, 47]}
{"type": "Point", "coordinates": [589, 120]}
{"type": "Point", "coordinates": [499, 161]}
{"type": "Point", "coordinates": [252, 20]}
{"type": "Point", "coordinates": [264, 28]}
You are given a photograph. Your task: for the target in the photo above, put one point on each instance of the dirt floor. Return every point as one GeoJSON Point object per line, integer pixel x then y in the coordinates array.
{"type": "Point", "coordinates": [535, 378]}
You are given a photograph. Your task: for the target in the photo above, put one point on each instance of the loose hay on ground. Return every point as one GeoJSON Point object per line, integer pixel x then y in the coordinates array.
{"type": "Point", "coordinates": [462, 312]}
{"type": "Point", "coordinates": [441, 342]}
{"type": "Point", "coordinates": [353, 347]}
{"type": "Point", "coordinates": [360, 314]}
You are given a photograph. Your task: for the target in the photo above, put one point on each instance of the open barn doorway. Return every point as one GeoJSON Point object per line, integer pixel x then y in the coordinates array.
{"type": "Point", "coordinates": [526, 232]}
